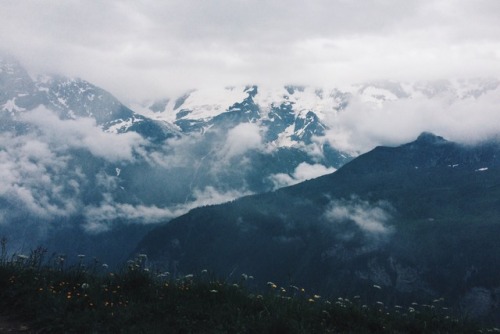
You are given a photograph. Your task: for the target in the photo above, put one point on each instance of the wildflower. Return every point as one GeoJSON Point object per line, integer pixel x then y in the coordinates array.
{"type": "Point", "coordinates": [214, 291]}
{"type": "Point", "coordinates": [190, 276]}
{"type": "Point", "coordinates": [317, 296]}
{"type": "Point", "coordinates": [272, 285]}
{"type": "Point", "coordinates": [236, 285]}
{"type": "Point", "coordinates": [85, 286]}
{"type": "Point", "coordinates": [244, 276]}
{"type": "Point", "coordinates": [204, 271]}
{"type": "Point", "coordinates": [380, 303]}
{"type": "Point", "coordinates": [250, 277]}
{"type": "Point", "coordinates": [142, 256]}
{"type": "Point", "coordinates": [105, 266]}
{"type": "Point", "coordinates": [283, 290]}
{"type": "Point", "coordinates": [310, 300]}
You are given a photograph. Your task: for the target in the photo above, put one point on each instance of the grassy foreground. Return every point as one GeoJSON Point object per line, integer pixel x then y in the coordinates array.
{"type": "Point", "coordinates": [89, 299]}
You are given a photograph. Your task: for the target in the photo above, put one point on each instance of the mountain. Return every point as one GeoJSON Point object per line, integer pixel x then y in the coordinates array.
{"type": "Point", "coordinates": [70, 99]}
{"type": "Point", "coordinates": [413, 223]}
{"type": "Point", "coordinates": [82, 171]}
{"type": "Point", "coordinates": [296, 108]}
{"type": "Point", "coordinates": [85, 173]}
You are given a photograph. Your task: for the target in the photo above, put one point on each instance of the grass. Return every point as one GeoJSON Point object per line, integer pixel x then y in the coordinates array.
{"type": "Point", "coordinates": [87, 298]}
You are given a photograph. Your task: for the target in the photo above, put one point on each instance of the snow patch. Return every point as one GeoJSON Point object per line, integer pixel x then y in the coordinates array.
{"type": "Point", "coordinates": [11, 106]}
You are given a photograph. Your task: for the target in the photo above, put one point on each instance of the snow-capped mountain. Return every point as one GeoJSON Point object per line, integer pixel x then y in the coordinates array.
{"type": "Point", "coordinates": [293, 116]}
{"type": "Point", "coordinates": [74, 158]}
{"type": "Point", "coordinates": [70, 99]}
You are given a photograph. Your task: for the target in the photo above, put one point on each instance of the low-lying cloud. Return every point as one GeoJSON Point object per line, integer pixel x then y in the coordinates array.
{"type": "Point", "coordinates": [242, 138]}
{"type": "Point", "coordinates": [362, 126]}
{"type": "Point", "coordinates": [100, 218]}
{"type": "Point", "coordinates": [34, 179]}
{"type": "Point", "coordinates": [304, 171]}
{"type": "Point", "coordinates": [372, 219]}
{"type": "Point", "coordinates": [82, 133]}
{"type": "Point", "coordinates": [39, 176]}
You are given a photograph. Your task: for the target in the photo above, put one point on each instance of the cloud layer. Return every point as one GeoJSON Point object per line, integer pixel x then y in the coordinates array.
{"type": "Point", "coordinates": [362, 126]}
{"type": "Point", "coordinates": [149, 48]}
{"type": "Point", "coordinates": [61, 169]}
{"type": "Point", "coordinates": [302, 172]}
{"type": "Point", "coordinates": [372, 219]}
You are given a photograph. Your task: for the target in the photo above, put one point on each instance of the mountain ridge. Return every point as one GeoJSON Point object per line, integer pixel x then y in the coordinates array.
{"type": "Point", "coordinates": [412, 231]}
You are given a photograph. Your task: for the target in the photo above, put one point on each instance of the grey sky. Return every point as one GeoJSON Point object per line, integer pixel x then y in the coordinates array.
{"type": "Point", "coordinates": [139, 49]}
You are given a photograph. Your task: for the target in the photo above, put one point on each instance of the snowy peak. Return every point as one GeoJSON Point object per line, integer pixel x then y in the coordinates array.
{"type": "Point", "coordinates": [289, 116]}
{"type": "Point", "coordinates": [79, 98]}
{"type": "Point", "coordinates": [205, 104]}
{"type": "Point", "coordinates": [16, 86]}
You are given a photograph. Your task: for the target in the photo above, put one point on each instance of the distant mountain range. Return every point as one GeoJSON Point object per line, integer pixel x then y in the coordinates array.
{"type": "Point", "coordinates": [414, 223]}
{"type": "Point", "coordinates": [82, 172]}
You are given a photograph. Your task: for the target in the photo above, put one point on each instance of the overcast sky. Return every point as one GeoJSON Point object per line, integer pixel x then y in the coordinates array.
{"type": "Point", "coordinates": [140, 49]}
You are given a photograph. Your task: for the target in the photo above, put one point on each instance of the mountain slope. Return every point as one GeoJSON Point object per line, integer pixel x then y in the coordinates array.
{"type": "Point", "coordinates": [419, 220]}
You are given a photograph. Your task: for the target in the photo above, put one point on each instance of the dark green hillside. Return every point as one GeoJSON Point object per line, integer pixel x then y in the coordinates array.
{"type": "Point", "coordinates": [420, 221]}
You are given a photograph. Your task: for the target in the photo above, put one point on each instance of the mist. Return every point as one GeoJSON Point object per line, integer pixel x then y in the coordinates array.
{"type": "Point", "coordinates": [141, 50]}
{"type": "Point", "coordinates": [364, 125]}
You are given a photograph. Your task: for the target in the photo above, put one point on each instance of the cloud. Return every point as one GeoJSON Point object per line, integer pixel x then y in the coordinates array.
{"type": "Point", "coordinates": [242, 138]}
{"type": "Point", "coordinates": [362, 126]}
{"type": "Point", "coordinates": [82, 133]}
{"type": "Point", "coordinates": [371, 219]}
{"type": "Point", "coordinates": [34, 181]}
{"type": "Point", "coordinates": [100, 218]}
{"type": "Point", "coordinates": [151, 49]}
{"type": "Point", "coordinates": [302, 172]}
{"type": "Point", "coordinates": [38, 175]}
